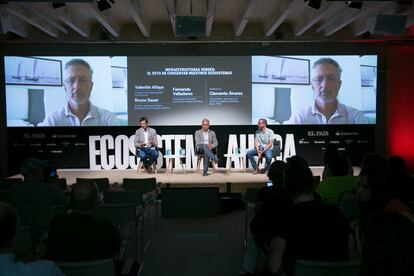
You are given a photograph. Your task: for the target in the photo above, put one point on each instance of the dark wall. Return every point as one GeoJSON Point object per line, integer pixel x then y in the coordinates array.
{"type": "Point", "coordinates": [3, 129]}
{"type": "Point", "coordinates": [400, 102]}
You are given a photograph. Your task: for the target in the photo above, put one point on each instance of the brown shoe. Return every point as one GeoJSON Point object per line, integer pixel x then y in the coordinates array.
{"type": "Point", "coordinates": [256, 171]}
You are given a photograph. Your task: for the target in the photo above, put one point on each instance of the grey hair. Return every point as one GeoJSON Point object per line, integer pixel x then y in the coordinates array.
{"type": "Point", "coordinates": [79, 61]}
{"type": "Point", "coordinates": [328, 61]}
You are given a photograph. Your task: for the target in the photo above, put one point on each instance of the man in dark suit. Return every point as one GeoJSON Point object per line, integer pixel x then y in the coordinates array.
{"type": "Point", "coordinates": [206, 142]}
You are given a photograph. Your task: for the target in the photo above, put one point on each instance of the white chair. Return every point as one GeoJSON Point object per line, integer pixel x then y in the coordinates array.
{"type": "Point", "coordinates": [316, 268]}
{"type": "Point", "coordinates": [141, 166]}
{"type": "Point", "coordinates": [200, 157]}
{"type": "Point", "coordinates": [104, 267]}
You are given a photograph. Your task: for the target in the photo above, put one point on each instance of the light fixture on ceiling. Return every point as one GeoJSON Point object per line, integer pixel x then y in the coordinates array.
{"type": "Point", "coordinates": [354, 4]}
{"type": "Point", "coordinates": [104, 4]}
{"type": "Point", "coordinates": [57, 5]}
{"type": "Point", "coordinates": [316, 4]}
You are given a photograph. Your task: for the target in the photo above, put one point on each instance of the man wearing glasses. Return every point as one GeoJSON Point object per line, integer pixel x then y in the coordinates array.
{"type": "Point", "coordinates": [79, 111]}
{"type": "Point", "coordinates": [206, 142]}
{"type": "Point", "coordinates": [326, 109]}
{"type": "Point", "coordinates": [263, 143]}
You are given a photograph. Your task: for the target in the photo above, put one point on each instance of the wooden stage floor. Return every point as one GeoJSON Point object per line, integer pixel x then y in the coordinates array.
{"type": "Point", "coordinates": [236, 182]}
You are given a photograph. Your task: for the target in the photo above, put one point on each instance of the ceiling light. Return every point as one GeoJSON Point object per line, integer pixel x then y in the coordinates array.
{"type": "Point", "coordinates": [354, 4]}
{"type": "Point", "coordinates": [316, 4]}
{"type": "Point", "coordinates": [104, 4]}
{"type": "Point", "coordinates": [57, 5]}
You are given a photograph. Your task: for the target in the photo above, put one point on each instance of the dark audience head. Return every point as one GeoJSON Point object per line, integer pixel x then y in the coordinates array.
{"type": "Point", "coordinates": [339, 165]}
{"type": "Point", "coordinates": [397, 167]}
{"type": "Point", "coordinates": [276, 172]}
{"type": "Point", "coordinates": [84, 196]}
{"type": "Point", "coordinates": [402, 182]}
{"type": "Point", "coordinates": [298, 177]}
{"type": "Point", "coordinates": [9, 221]}
{"type": "Point", "coordinates": [372, 160]}
{"type": "Point", "coordinates": [374, 181]}
{"type": "Point", "coordinates": [330, 152]}
{"type": "Point", "coordinates": [33, 168]}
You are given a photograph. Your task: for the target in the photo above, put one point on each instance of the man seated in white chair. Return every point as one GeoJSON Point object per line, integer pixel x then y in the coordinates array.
{"type": "Point", "coordinates": [206, 141]}
{"type": "Point", "coordinates": [262, 146]}
{"type": "Point", "coordinates": [146, 144]}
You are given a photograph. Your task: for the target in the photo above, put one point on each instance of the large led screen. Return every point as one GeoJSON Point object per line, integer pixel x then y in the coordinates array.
{"type": "Point", "coordinates": [181, 90]}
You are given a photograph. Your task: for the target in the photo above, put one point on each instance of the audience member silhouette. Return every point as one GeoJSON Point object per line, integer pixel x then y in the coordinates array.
{"type": "Point", "coordinates": [331, 189]}
{"type": "Point", "coordinates": [312, 230]}
{"type": "Point", "coordinates": [78, 236]}
{"type": "Point", "coordinates": [387, 226]}
{"type": "Point", "coordinates": [9, 221]}
{"type": "Point", "coordinates": [403, 182]}
{"type": "Point", "coordinates": [329, 155]}
{"type": "Point", "coordinates": [34, 192]}
{"type": "Point", "coordinates": [272, 203]}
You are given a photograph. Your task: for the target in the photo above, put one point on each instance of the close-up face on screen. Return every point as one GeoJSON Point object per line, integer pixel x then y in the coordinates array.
{"type": "Point", "coordinates": [48, 91]}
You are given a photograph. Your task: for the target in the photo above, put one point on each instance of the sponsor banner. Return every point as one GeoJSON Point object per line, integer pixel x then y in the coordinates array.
{"type": "Point", "coordinates": [104, 148]}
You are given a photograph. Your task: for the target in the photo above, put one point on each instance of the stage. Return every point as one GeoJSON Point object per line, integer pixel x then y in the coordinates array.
{"type": "Point", "coordinates": [235, 182]}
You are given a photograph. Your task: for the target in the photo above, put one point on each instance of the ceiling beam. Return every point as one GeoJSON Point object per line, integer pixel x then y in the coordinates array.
{"type": "Point", "coordinates": [9, 25]}
{"type": "Point", "coordinates": [171, 6]}
{"type": "Point", "coordinates": [360, 27]}
{"type": "Point", "coordinates": [65, 15]}
{"type": "Point", "coordinates": [334, 17]}
{"type": "Point", "coordinates": [349, 18]}
{"type": "Point", "coordinates": [211, 12]}
{"type": "Point", "coordinates": [133, 7]}
{"type": "Point", "coordinates": [247, 13]}
{"type": "Point", "coordinates": [45, 12]}
{"type": "Point", "coordinates": [105, 22]}
{"type": "Point", "coordinates": [316, 16]}
{"type": "Point", "coordinates": [281, 17]}
{"type": "Point", "coordinates": [21, 13]}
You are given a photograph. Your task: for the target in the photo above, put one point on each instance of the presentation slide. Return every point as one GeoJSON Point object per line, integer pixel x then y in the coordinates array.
{"type": "Point", "coordinates": [47, 91]}
{"type": "Point", "coordinates": [184, 90]}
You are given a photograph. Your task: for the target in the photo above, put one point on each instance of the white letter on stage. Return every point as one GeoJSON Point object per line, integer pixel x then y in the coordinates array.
{"type": "Point", "coordinates": [277, 137]}
{"type": "Point", "coordinates": [290, 149]}
{"type": "Point", "coordinates": [250, 139]}
{"type": "Point", "coordinates": [177, 146]}
{"type": "Point", "coordinates": [107, 161]}
{"type": "Point", "coordinates": [190, 158]}
{"type": "Point", "coordinates": [93, 152]}
{"type": "Point", "coordinates": [232, 144]}
{"type": "Point", "coordinates": [132, 158]}
{"type": "Point", "coordinates": [121, 152]}
{"type": "Point", "coordinates": [160, 159]}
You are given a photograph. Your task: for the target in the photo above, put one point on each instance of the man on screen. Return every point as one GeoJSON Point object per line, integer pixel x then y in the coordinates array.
{"type": "Point", "coordinates": [206, 142]}
{"type": "Point", "coordinates": [79, 111]}
{"type": "Point", "coordinates": [146, 144]}
{"type": "Point", "coordinates": [263, 142]}
{"type": "Point", "coordinates": [326, 109]}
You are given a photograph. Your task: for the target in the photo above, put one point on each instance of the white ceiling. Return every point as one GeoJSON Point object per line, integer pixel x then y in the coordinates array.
{"type": "Point", "coordinates": [227, 20]}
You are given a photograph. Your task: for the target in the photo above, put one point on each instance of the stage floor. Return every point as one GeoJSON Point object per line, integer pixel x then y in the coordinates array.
{"type": "Point", "coordinates": [235, 182]}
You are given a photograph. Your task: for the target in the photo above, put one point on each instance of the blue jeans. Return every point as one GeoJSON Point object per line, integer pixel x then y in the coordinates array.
{"type": "Point", "coordinates": [208, 155]}
{"type": "Point", "coordinates": [252, 153]}
{"type": "Point", "coordinates": [147, 155]}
